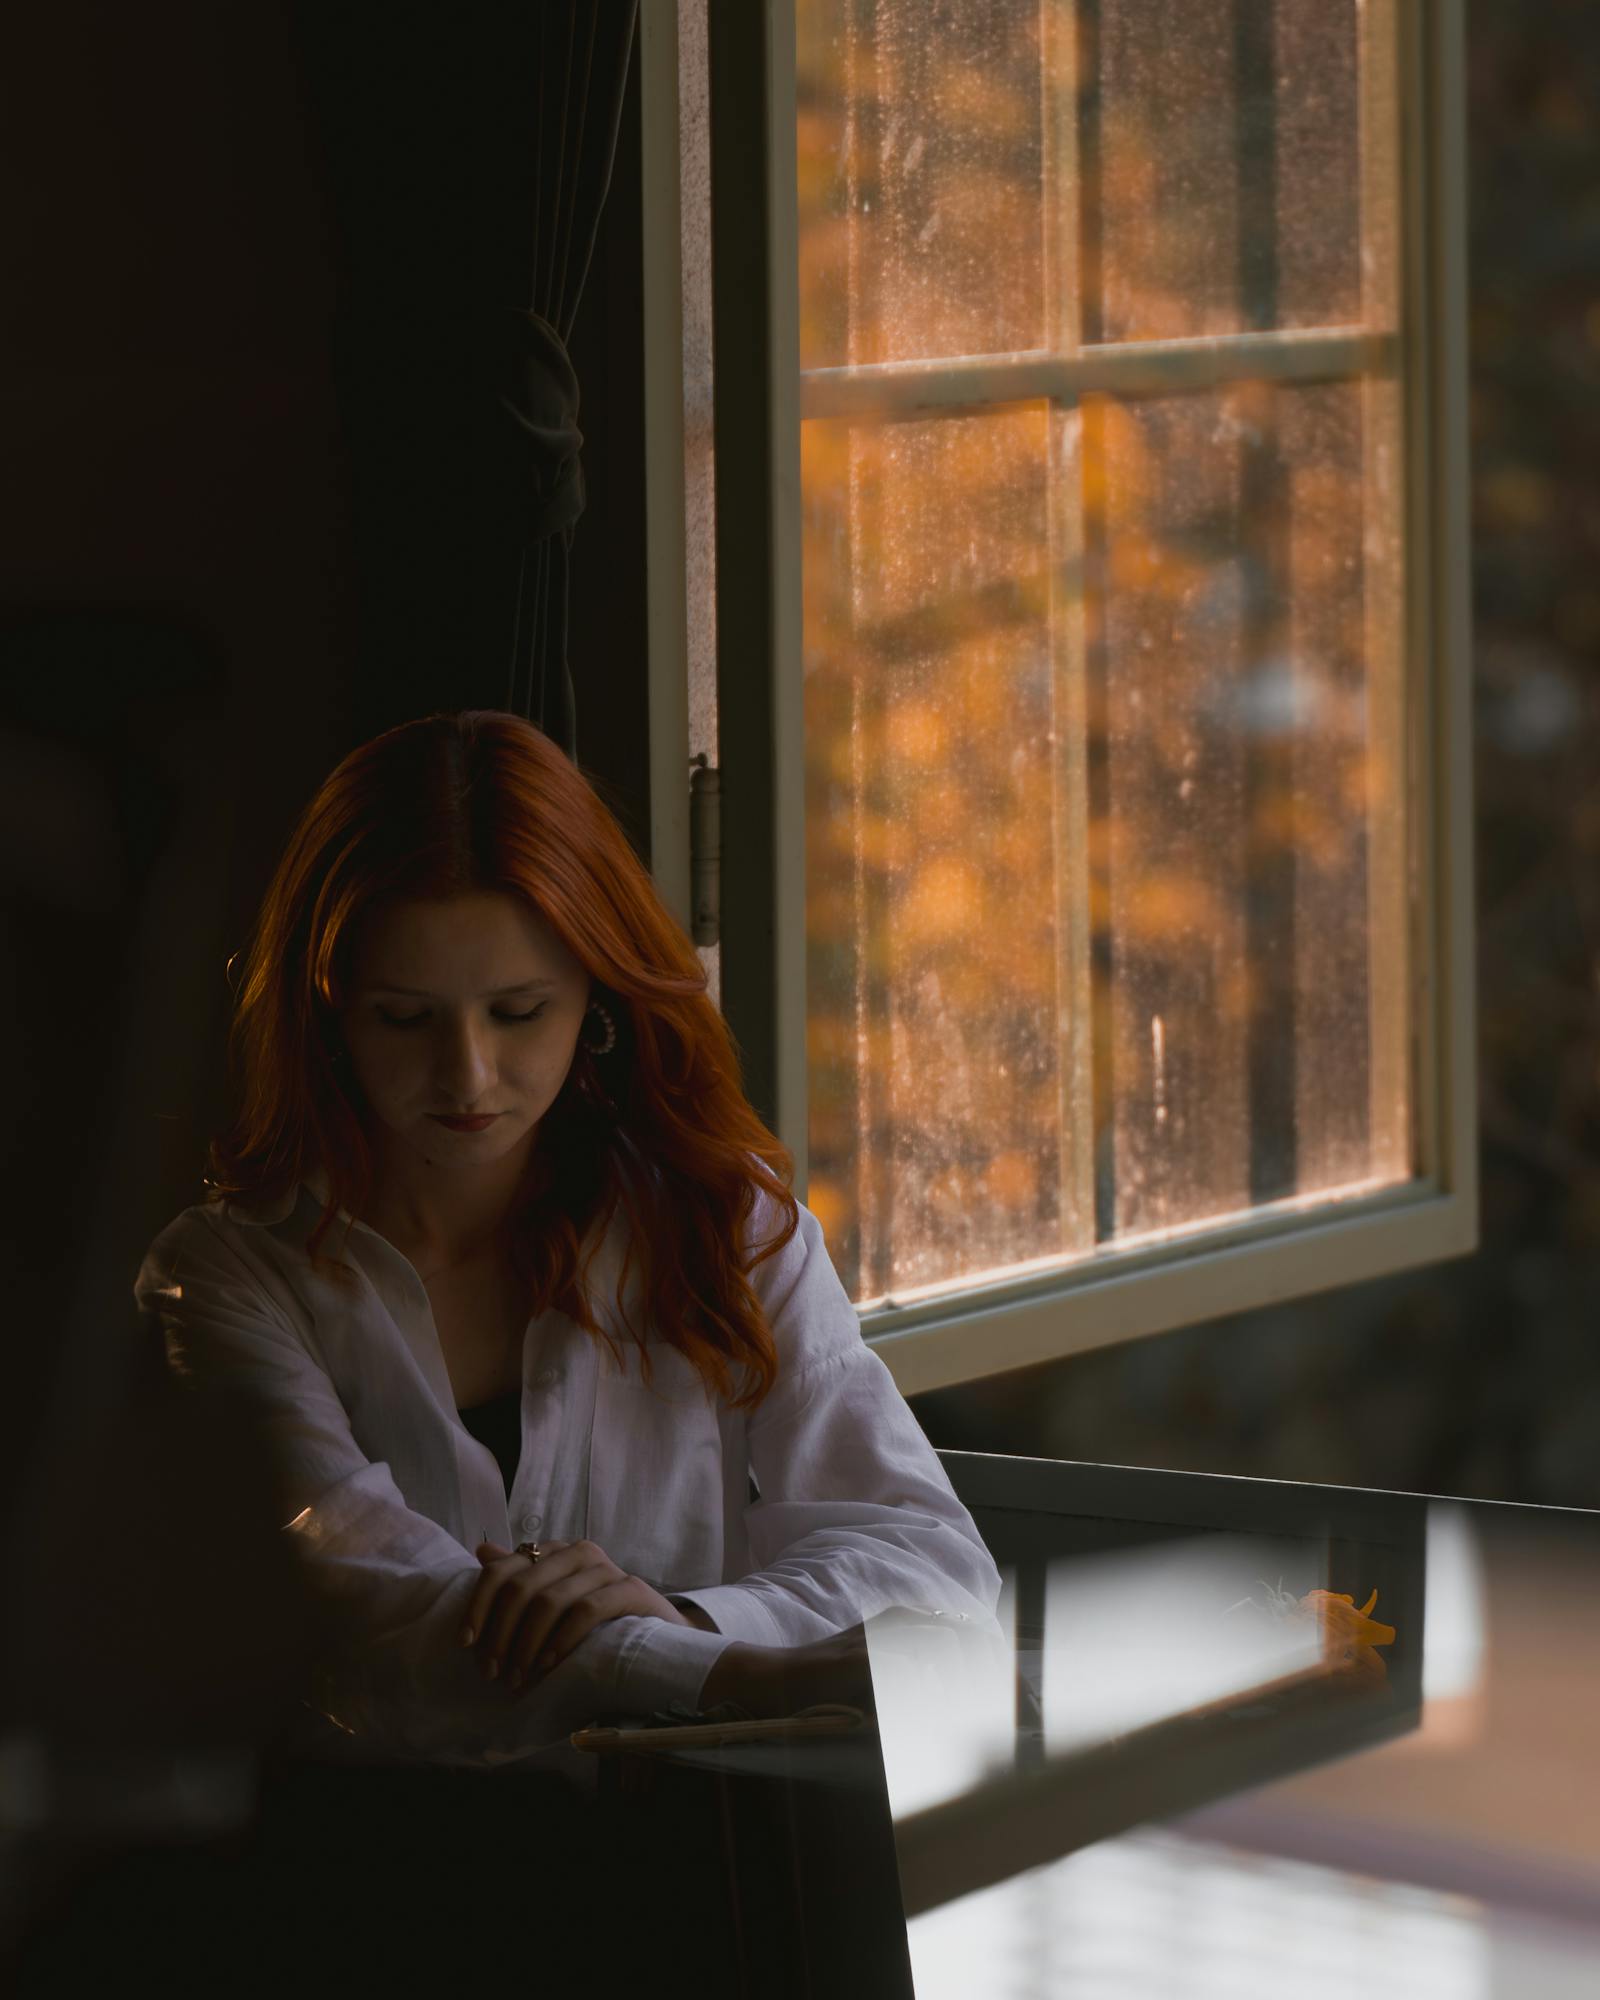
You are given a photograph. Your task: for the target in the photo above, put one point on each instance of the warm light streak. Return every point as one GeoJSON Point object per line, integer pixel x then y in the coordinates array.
{"type": "Point", "coordinates": [946, 1702]}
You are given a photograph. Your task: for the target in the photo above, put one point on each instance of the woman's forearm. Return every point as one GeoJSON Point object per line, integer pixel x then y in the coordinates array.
{"type": "Point", "coordinates": [737, 1674]}
{"type": "Point", "coordinates": [778, 1680]}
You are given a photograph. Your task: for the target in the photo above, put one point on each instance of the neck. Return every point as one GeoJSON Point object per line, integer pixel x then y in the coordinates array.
{"type": "Point", "coordinates": [445, 1218]}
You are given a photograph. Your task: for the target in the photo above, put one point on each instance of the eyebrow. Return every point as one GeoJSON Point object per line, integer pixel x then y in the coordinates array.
{"type": "Point", "coordinates": [499, 993]}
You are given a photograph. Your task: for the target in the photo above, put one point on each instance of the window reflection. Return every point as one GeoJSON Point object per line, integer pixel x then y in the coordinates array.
{"type": "Point", "coordinates": [945, 1697]}
{"type": "Point", "coordinates": [1134, 1637]}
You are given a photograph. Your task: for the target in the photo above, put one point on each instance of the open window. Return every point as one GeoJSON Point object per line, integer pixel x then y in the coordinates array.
{"type": "Point", "coordinates": [1085, 672]}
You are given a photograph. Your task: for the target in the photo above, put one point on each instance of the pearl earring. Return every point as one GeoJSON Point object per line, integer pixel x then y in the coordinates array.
{"type": "Point", "coordinates": [611, 1030]}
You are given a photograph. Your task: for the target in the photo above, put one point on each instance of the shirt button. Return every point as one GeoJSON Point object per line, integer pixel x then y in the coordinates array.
{"type": "Point", "coordinates": [530, 1523]}
{"type": "Point", "coordinates": [545, 1377]}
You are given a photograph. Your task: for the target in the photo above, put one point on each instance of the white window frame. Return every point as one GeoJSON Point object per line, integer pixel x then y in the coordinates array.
{"type": "Point", "coordinates": [1277, 1253]}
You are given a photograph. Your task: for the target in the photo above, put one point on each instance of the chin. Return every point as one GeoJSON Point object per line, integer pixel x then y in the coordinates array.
{"type": "Point", "coordinates": [500, 1137]}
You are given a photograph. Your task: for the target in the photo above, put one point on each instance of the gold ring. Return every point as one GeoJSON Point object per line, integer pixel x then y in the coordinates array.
{"type": "Point", "coordinates": [529, 1549]}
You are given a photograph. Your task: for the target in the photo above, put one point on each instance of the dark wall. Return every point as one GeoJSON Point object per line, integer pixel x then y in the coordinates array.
{"type": "Point", "coordinates": [608, 638]}
{"type": "Point", "coordinates": [221, 567]}
{"type": "Point", "coordinates": [172, 617]}
{"type": "Point", "coordinates": [208, 592]}
{"type": "Point", "coordinates": [437, 193]}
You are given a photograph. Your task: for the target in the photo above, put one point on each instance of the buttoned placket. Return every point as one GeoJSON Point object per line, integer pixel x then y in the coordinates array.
{"type": "Point", "coordinates": [550, 1493]}
{"type": "Point", "coordinates": [528, 1504]}
{"type": "Point", "coordinates": [523, 1511]}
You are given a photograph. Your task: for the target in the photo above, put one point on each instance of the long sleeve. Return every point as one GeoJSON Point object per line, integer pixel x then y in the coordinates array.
{"type": "Point", "coordinates": [856, 1514]}
{"type": "Point", "coordinates": [396, 1583]}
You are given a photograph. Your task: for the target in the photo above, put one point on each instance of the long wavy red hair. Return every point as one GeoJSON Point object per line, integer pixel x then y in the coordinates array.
{"type": "Point", "coordinates": [478, 800]}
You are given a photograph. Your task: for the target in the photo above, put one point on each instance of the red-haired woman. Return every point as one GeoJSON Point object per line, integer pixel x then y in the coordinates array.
{"type": "Point", "coordinates": [483, 1087]}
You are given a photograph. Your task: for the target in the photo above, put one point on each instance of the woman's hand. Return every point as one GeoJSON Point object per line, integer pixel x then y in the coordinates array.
{"type": "Point", "coordinates": [526, 1617]}
{"type": "Point", "coordinates": [778, 1680]}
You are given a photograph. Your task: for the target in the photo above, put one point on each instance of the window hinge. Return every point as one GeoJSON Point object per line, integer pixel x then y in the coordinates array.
{"type": "Point", "coordinates": [705, 851]}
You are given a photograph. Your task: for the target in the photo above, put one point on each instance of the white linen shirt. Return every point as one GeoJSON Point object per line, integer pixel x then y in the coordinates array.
{"type": "Point", "coordinates": [391, 1493]}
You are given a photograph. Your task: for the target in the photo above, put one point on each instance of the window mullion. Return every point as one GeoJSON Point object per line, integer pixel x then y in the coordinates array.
{"type": "Point", "coordinates": [1068, 654]}
{"type": "Point", "coordinates": [918, 389]}
{"type": "Point", "coordinates": [1389, 913]}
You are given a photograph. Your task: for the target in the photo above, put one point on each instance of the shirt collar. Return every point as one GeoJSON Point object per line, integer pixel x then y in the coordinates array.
{"type": "Point", "coordinates": [265, 1212]}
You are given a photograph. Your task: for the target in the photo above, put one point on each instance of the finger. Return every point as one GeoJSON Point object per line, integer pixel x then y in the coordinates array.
{"type": "Point", "coordinates": [488, 1551]}
{"type": "Point", "coordinates": [540, 1620]}
{"type": "Point", "coordinates": [518, 1588]}
{"type": "Point", "coordinates": [521, 1585]}
{"type": "Point", "coordinates": [481, 1602]}
{"type": "Point", "coordinates": [542, 1616]}
{"type": "Point", "coordinates": [612, 1600]}
{"type": "Point", "coordinates": [592, 1569]}
{"type": "Point", "coordinates": [499, 1565]}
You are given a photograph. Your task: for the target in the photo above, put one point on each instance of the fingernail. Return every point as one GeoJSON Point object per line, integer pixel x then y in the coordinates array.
{"type": "Point", "coordinates": [467, 1635]}
{"type": "Point", "coordinates": [493, 1667]}
{"type": "Point", "coordinates": [514, 1678]}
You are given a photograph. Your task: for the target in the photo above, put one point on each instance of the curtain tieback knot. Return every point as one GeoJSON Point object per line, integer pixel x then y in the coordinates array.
{"type": "Point", "coordinates": [541, 472]}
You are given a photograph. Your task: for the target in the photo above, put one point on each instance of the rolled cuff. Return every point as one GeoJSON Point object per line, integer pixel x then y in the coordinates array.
{"type": "Point", "coordinates": [739, 1613]}
{"type": "Point", "coordinates": [663, 1666]}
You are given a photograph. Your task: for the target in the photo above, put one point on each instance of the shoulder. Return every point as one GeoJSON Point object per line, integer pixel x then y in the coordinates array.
{"type": "Point", "coordinates": [799, 1290]}
{"type": "Point", "coordinates": [209, 1245]}
{"type": "Point", "coordinates": [194, 1231]}
{"type": "Point", "coordinates": [236, 1219]}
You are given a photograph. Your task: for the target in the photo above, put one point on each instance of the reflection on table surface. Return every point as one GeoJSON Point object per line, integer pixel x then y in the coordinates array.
{"type": "Point", "coordinates": [1201, 1757]}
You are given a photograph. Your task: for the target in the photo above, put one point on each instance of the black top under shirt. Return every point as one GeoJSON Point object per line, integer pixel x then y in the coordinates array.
{"type": "Point", "coordinates": [498, 1424]}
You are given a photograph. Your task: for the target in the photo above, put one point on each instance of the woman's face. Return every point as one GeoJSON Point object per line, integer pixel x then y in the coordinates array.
{"type": "Point", "coordinates": [461, 1007]}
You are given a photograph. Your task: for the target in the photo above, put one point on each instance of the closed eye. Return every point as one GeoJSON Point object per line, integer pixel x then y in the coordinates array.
{"type": "Point", "coordinates": [413, 1020]}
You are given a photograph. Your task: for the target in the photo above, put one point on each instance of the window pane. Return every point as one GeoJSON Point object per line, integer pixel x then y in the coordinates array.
{"type": "Point", "coordinates": [1240, 812]}
{"type": "Point", "coordinates": [1196, 163]}
{"type": "Point", "coordinates": [921, 178]}
{"type": "Point", "coordinates": [1238, 860]}
{"type": "Point", "coordinates": [1220, 157]}
{"type": "Point", "coordinates": [1108, 889]}
{"type": "Point", "coordinates": [939, 1031]}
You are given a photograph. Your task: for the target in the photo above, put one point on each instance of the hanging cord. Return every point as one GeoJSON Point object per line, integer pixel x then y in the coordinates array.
{"type": "Point", "coordinates": [561, 311]}
{"type": "Point", "coordinates": [536, 645]}
{"type": "Point", "coordinates": [516, 637]}
{"type": "Point", "coordinates": [568, 304]}
{"type": "Point", "coordinates": [562, 193]}
{"type": "Point", "coordinates": [565, 232]}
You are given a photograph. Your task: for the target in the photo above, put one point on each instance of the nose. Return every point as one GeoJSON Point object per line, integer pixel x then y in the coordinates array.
{"type": "Point", "coordinates": [464, 1065]}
